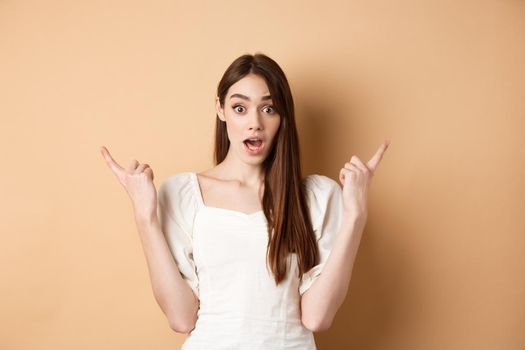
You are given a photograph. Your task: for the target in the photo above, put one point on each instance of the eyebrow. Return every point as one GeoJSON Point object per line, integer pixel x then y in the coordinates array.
{"type": "Point", "coordinates": [267, 97]}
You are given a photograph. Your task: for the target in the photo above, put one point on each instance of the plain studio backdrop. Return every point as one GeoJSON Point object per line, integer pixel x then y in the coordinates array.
{"type": "Point", "coordinates": [441, 262]}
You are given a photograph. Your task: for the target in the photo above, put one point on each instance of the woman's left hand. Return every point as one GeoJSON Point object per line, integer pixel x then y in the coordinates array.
{"type": "Point", "coordinates": [355, 178]}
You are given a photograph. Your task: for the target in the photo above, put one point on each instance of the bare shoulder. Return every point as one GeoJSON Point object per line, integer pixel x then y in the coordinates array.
{"type": "Point", "coordinates": [208, 176]}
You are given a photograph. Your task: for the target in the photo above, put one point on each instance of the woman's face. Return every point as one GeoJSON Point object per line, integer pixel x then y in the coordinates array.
{"type": "Point", "coordinates": [249, 114]}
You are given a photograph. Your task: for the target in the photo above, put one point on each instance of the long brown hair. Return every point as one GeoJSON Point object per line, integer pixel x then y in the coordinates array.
{"type": "Point", "coordinates": [284, 199]}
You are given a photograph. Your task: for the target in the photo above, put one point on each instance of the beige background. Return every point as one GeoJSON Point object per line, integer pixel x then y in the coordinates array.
{"type": "Point", "coordinates": [441, 263]}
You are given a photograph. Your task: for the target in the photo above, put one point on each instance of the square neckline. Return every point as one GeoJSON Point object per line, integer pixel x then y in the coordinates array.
{"type": "Point", "coordinates": [225, 210]}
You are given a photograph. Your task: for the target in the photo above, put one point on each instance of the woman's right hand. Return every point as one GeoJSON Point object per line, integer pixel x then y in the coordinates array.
{"type": "Point", "coordinates": [137, 179]}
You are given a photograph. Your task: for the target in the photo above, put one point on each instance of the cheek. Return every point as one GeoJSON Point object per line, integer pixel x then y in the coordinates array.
{"type": "Point", "coordinates": [275, 127]}
{"type": "Point", "coordinates": [234, 130]}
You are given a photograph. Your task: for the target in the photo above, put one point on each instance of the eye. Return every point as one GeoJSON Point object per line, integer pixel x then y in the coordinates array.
{"type": "Point", "coordinates": [272, 110]}
{"type": "Point", "coordinates": [235, 108]}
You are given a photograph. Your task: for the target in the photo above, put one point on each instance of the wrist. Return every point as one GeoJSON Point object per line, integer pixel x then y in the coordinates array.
{"type": "Point", "coordinates": [354, 219]}
{"type": "Point", "coordinates": [146, 220]}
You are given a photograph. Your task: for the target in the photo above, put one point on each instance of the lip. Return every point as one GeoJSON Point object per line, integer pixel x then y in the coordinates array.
{"type": "Point", "coordinates": [254, 153]}
{"type": "Point", "coordinates": [255, 137]}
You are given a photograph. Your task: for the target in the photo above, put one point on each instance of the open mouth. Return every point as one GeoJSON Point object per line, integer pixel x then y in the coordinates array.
{"type": "Point", "coordinates": [253, 145]}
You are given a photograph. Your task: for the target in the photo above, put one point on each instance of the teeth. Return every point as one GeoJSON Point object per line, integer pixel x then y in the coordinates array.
{"type": "Point", "coordinates": [253, 144]}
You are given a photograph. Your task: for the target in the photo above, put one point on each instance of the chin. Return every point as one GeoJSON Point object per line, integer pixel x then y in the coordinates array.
{"type": "Point", "coordinates": [254, 161]}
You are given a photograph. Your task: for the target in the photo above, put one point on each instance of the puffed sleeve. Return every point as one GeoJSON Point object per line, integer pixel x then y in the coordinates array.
{"type": "Point", "coordinates": [176, 210]}
{"type": "Point", "coordinates": [324, 197]}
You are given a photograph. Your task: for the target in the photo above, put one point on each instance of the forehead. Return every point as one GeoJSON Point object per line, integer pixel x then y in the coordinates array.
{"type": "Point", "coordinates": [252, 86]}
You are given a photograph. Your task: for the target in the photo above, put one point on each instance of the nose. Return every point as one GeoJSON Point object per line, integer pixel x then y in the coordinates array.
{"type": "Point", "coordinates": [254, 121]}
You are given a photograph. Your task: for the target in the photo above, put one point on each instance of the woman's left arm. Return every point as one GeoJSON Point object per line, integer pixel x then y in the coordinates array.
{"type": "Point", "coordinates": [321, 301]}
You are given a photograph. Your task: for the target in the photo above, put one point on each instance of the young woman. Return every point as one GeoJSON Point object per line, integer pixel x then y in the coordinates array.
{"type": "Point", "coordinates": [235, 252]}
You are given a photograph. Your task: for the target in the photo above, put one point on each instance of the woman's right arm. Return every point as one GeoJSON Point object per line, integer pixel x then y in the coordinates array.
{"type": "Point", "coordinates": [173, 294]}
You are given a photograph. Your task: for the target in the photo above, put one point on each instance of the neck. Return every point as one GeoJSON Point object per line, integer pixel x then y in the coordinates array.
{"type": "Point", "coordinates": [232, 167]}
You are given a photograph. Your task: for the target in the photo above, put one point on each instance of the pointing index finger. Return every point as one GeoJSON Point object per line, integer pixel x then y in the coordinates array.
{"type": "Point", "coordinates": [110, 161]}
{"type": "Point", "coordinates": [376, 158]}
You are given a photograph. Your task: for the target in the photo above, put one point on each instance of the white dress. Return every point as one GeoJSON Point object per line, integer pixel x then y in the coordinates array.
{"type": "Point", "coordinates": [221, 253]}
